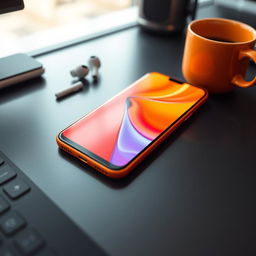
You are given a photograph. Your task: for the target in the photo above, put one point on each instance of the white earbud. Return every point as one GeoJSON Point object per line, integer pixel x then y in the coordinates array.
{"type": "Point", "coordinates": [75, 88]}
{"type": "Point", "coordinates": [80, 71]}
{"type": "Point", "coordinates": [94, 65]}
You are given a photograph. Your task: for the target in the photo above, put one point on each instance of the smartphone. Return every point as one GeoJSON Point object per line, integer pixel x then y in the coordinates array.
{"type": "Point", "coordinates": [119, 134]}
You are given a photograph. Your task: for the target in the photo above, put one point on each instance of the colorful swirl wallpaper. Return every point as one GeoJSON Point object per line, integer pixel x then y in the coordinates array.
{"type": "Point", "coordinates": [121, 128]}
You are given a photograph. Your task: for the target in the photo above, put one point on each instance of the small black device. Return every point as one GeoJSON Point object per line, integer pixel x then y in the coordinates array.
{"type": "Point", "coordinates": [31, 224]}
{"type": "Point", "coordinates": [11, 5]}
{"type": "Point", "coordinates": [18, 68]}
{"type": "Point", "coordinates": [166, 15]}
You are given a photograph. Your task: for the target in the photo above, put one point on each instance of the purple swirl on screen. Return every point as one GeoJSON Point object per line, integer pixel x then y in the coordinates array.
{"type": "Point", "coordinates": [129, 142]}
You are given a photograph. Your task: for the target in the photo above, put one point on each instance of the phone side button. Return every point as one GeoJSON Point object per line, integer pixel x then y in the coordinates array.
{"type": "Point", "coordinates": [186, 118]}
{"type": "Point", "coordinates": [82, 159]}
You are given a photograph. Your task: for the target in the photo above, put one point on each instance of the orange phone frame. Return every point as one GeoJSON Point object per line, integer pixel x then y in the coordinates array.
{"type": "Point", "coordinates": [134, 162]}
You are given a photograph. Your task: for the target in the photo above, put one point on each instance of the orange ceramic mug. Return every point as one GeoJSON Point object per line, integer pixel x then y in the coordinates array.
{"type": "Point", "coordinates": [217, 52]}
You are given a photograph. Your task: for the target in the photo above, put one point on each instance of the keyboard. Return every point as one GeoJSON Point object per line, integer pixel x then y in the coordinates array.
{"type": "Point", "coordinates": [31, 224]}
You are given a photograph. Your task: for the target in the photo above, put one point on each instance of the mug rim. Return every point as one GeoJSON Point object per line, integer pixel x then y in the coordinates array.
{"type": "Point", "coordinates": [248, 27]}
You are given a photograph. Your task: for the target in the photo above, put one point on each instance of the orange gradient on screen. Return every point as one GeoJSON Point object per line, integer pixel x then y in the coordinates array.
{"type": "Point", "coordinates": [124, 126]}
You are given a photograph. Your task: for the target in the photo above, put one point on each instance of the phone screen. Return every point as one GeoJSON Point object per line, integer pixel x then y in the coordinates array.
{"type": "Point", "coordinates": [123, 127]}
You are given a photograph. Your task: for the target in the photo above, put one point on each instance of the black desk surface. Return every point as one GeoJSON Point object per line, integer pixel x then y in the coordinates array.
{"type": "Point", "coordinates": [195, 195]}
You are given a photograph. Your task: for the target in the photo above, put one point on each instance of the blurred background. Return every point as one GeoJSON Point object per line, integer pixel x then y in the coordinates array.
{"type": "Point", "coordinates": [48, 22]}
{"type": "Point", "coordinates": [44, 23]}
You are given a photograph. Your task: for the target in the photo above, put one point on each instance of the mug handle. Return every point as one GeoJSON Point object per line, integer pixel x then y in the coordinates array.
{"type": "Point", "coordinates": [238, 79]}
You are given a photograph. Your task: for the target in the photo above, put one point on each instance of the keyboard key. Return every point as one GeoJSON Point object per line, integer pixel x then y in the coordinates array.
{"type": "Point", "coordinates": [17, 238]}
{"type": "Point", "coordinates": [6, 173]}
{"type": "Point", "coordinates": [29, 241]}
{"type": "Point", "coordinates": [11, 223]}
{"type": "Point", "coordinates": [7, 251]}
{"type": "Point", "coordinates": [16, 188]}
{"type": "Point", "coordinates": [4, 205]}
{"type": "Point", "coordinates": [1, 160]}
